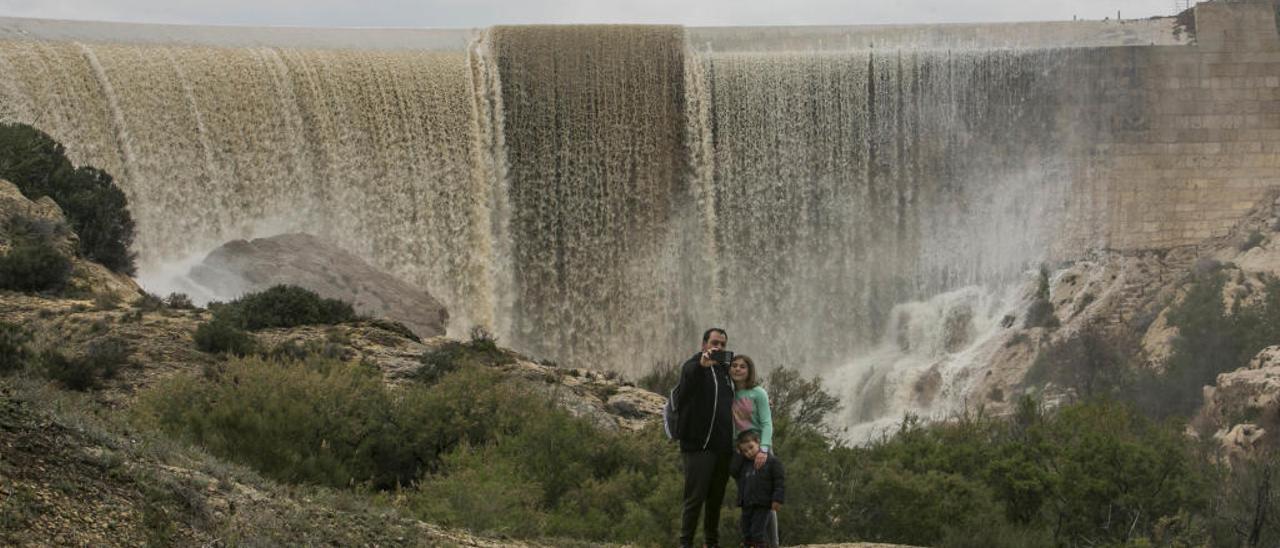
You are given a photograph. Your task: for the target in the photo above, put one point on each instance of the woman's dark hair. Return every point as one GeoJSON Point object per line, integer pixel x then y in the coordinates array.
{"type": "Point", "coordinates": [753, 380]}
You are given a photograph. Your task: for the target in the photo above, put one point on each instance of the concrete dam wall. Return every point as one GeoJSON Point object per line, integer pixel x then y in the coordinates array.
{"type": "Point", "coordinates": [598, 195]}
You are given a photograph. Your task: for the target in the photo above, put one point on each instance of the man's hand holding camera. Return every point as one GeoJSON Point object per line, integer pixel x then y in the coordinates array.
{"type": "Point", "coordinates": [706, 360]}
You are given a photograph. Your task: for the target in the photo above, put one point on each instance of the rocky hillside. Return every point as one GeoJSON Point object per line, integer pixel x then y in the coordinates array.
{"type": "Point", "coordinates": [74, 470]}
{"type": "Point", "coordinates": [71, 473]}
{"type": "Point", "coordinates": [1118, 307]}
{"type": "Point", "coordinates": [70, 477]}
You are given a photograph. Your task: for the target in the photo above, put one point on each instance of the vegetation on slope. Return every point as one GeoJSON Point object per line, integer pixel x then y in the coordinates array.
{"type": "Point", "coordinates": [96, 208]}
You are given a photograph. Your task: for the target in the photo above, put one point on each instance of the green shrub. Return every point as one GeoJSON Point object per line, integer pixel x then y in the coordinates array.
{"type": "Point", "coordinates": [1091, 362]}
{"type": "Point", "coordinates": [31, 159]}
{"type": "Point", "coordinates": [103, 359]}
{"type": "Point", "coordinates": [149, 302]}
{"type": "Point", "coordinates": [799, 403]}
{"type": "Point", "coordinates": [483, 495]}
{"type": "Point", "coordinates": [1110, 466]}
{"type": "Point", "coordinates": [218, 336]}
{"type": "Point", "coordinates": [479, 351]}
{"type": "Point", "coordinates": [98, 212]}
{"type": "Point", "coordinates": [1254, 239]}
{"type": "Point", "coordinates": [1210, 340]}
{"type": "Point", "coordinates": [333, 423]}
{"type": "Point", "coordinates": [661, 379]}
{"type": "Point", "coordinates": [1040, 313]}
{"type": "Point", "coordinates": [294, 349]}
{"type": "Point", "coordinates": [34, 266]}
{"type": "Point", "coordinates": [95, 207]}
{"type": "Point", "coordinates": [1244, 512]}
{"type": "Point", "coordinates": [284, 306]}
{"type": "Point", "coordinates": [179, 301]}
{"type": "Point", "coordinates": [106, 301]}
{"type": "Point", "coordinates": [483, 340]}
{"type": "Point", "coordinates": [13, 348]}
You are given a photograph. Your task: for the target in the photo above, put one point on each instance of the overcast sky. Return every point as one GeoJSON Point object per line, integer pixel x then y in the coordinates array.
{"type": "Point", "coordinates": [480, 13]}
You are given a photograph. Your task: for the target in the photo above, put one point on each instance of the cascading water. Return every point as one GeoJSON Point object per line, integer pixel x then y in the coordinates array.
{"type": "Point", "coordinates": [599, 195]}
{"type": "Point", "coordinates": [373, 150]}
{"type": "Point", "coordinates": [592, 118]}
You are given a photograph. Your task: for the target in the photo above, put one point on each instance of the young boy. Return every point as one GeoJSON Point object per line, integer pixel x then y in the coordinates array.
{"type": "Point", "coordinates": [760, 492]}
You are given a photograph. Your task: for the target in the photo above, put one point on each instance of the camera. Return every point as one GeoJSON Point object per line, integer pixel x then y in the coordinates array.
{"type": "Point", "coordinates": [722, 357]}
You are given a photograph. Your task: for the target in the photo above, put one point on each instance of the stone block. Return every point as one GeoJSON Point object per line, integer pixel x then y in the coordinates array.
{"type": "Point", "coordinates": [1247, 147]}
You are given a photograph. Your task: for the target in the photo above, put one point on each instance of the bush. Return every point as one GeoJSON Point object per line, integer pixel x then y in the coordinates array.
{"type": "Point", "coordinates": [799, 403]}
{"type": "Point", "coordinates": [34, 266]}
{"type": "Point", "coordinates": [219, 336]}
{"type": "Point", "coordinates": [283, 306]}
{"type": "Point", "coordinates": [179, 301]}
{"type": "Point", "coordinates": [334, 423]}
{"type": "Point", "coordinates": [95, 207]}
{"type": "Point", "coordinates": [474, 451]}
{"type": "Point", "coordinates": [103, 359]}
{"type": "Point", "coordinates": [13, 348]}
{"type": "Point", "coordinates": [481, 350]}
{"type": "Point", "coordinates": [1091, 362]}
{"type": "Point", "coordinates": [149, 302]}
{"type": "Point", "coordinates": [661, 379]}
{"type": "Point", "coordinates": [1254, 239]}
{"type": "Point", "coordinates": [106, 301]}
{"type": "Point", "coordinates": [1040, 313]}
{"type": "Point", "coordinates": [1210, 340]}
{"type": "Point", "coordinates": [296, 350]}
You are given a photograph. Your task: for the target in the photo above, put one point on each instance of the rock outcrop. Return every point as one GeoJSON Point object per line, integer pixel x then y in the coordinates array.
{"type": "Point", "coordinates": [242, 266]}
{"type": "Point", "coordinates": [601, 398]}
{"type": "Point", "coordinates": [43, 215]}
{"type": "Point", "coordinates": [1242, 409]}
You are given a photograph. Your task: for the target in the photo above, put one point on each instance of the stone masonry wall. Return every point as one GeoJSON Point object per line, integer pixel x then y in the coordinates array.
{"type": "Point", "coordinates": [1190, 135]}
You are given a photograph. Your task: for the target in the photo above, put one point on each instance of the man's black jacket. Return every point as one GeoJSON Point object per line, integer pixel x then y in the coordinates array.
{"type": "Point", "coordinates": [704, 399]}
{"type": "Point", "coordinates": [759, 488]}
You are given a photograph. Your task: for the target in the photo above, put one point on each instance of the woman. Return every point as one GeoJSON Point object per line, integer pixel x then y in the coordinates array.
{"type": "Point", "coordinates": [751, 404]}
{"type": "Point", "coordinates": [751, 412]}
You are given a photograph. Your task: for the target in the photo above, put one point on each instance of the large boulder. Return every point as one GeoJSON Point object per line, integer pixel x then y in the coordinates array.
{"type": "Point", "coordinates": [242, 266]}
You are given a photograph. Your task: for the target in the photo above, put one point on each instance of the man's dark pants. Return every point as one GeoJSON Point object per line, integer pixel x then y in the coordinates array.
{"type": "Point", "coordinates": [705, 475]}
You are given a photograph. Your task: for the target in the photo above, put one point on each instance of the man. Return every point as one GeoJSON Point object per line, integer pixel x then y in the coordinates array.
{"type": "Point", "coordinates": [705, 398]}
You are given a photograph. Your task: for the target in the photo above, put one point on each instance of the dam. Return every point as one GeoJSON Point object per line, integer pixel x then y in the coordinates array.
{"type": "Point", "coordinates": [598, 195]}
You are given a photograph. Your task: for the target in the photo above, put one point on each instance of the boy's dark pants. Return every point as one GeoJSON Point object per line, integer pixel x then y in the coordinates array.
{"type": "Point", "coordinates": [705, 475]}
{"type": "Point", "coordinates": [755, 524]}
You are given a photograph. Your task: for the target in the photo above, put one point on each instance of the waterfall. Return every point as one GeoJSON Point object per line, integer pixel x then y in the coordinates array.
{"type": "Point", "coordinates": [598, 195]}
{"type": "Point", "coordinates": [373, 150]}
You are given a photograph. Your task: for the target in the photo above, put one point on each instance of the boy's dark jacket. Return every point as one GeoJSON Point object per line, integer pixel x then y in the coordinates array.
{"type": "Point", "coordinates": [759, 488]}
{"type": "Point", "coordinates": [705, 400]}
